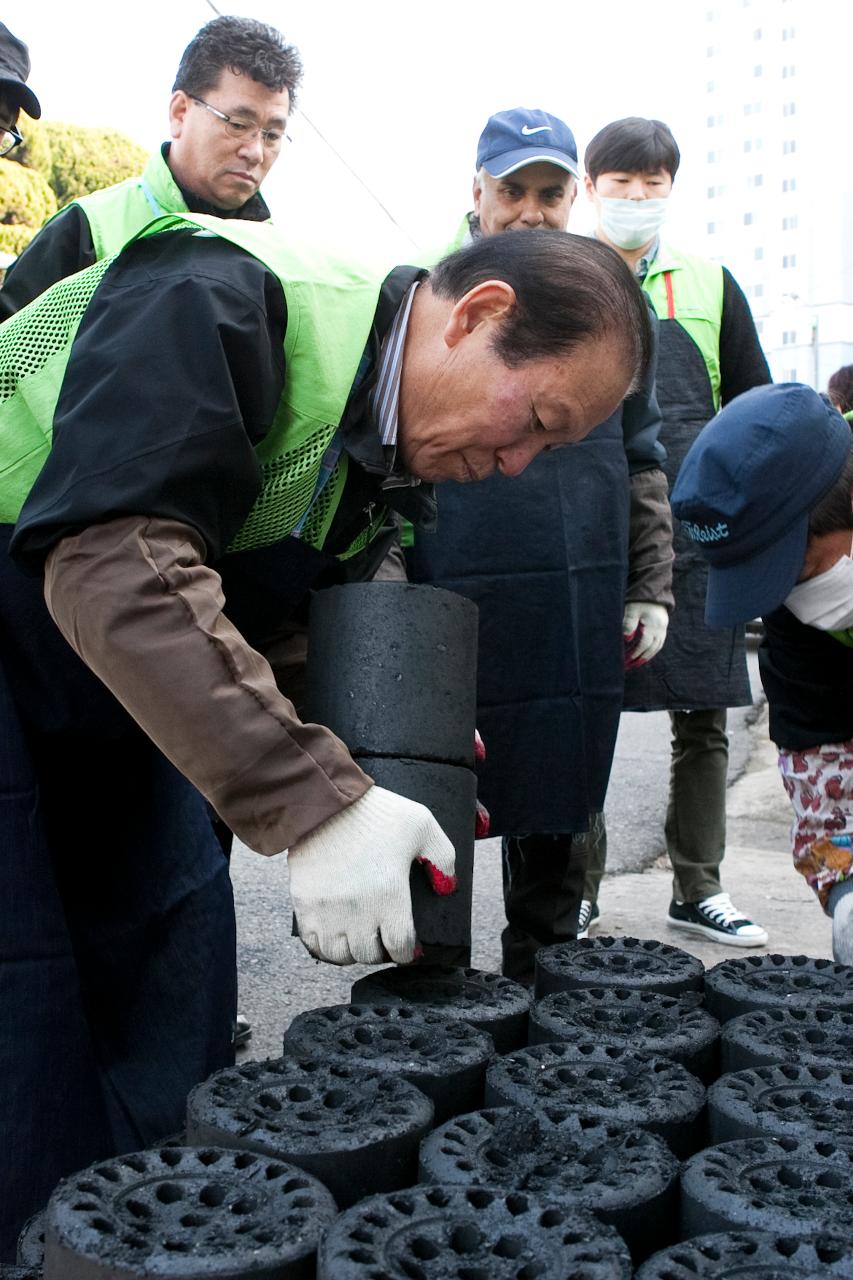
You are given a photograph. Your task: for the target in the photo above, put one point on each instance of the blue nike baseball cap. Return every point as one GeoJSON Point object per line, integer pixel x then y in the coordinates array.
{"type": "Point", "coordinates": [515, 138]}
{"type": "Point", "coordinates": [746, 489]}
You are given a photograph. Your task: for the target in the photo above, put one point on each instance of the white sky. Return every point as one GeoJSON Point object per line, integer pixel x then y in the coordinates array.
{"type": "Point", "coordinates": [402, 92]}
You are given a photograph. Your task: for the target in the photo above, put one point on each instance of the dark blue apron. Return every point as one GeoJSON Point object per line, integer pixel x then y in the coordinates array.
{"type": "Point", "coordinates": [544, 556]}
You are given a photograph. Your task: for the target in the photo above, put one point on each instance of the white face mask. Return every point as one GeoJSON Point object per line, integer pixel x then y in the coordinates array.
{"type": "Point", "coordinates": [826, 601]}
{"type": "Point", "coordinates": [631, 223]}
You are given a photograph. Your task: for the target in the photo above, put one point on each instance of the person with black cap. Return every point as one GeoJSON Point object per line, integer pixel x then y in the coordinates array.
{"type": "Point", "coordinates": [547, 559]}
{"type": "Point", "coordinates": [234, 89]}
{"type": "Point", "coordinates": [766, 495]}
{"type": "Point", "coordinates": [15, 94]}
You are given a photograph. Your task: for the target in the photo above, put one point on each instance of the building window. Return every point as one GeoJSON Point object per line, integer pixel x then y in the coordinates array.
{"type": "Point", "coordinates": [791, 376]}
{"type": "Point", "coordinates": [748, 219]}
{"type": "Point", "coordinates": [758, 291]}
{"type": "Point", "coordinates": [713, 157]}
{"type": "Point", "coordinates": [789, 260]}
{"type": "Point", "coordinates": [755, 180]}
{"type": "Point", "coordinates": [710, 86]}
{"type": "Point", "coordinates": [710, 51]}
{"type": "Point", "coordinates": [759, 327]}
{"type": "Point", "coordinates": [758, 252]}
{"type": "Point", "coordinates": [711, 228]}
{"type": "Point", "coordinates": [788, 72]}
{"type": "Point", "coordinates": [788, 33]}
{"type": "Point", "coordinates": [751, 108]}
{"type": "Point", "coordinates": [758, 71]}
{"type": "Point", "coordinates": [789, 184]}
{"type": "Point", "coordinates": [789, 338]}
{"type": "Point", "coordinates": [715, 191]}
{"type": "Point", "coordinates": [789, 108]}
{"type": "Point", "coordinates": [789, 223]}
{"type": "Point", "coordinates": [788, 146]}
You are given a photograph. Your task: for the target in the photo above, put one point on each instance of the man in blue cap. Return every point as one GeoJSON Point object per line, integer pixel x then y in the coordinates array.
{"type": "Point", "coordinates": [547, 565]}
{"type": "Point", "coordinates": [766, 494]}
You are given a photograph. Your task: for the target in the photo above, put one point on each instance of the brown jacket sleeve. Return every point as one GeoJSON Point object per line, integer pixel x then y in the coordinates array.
{"type": "Point", "coordinates": [650, 554]}
{"type": "Point", "coordinates": [135, 600]}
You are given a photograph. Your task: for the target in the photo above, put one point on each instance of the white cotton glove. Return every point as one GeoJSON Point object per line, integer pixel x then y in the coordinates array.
{"type": "Point", "coordinates": [643, 632]}
{"type": "Point", "coordinates": [349, 878]}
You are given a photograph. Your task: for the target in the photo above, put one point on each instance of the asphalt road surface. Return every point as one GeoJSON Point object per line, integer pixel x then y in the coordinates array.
{"type": "Point", "coordinates": [278, 979]}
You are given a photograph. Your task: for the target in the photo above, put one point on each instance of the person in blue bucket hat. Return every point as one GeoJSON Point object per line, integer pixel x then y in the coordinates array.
{"type": "Point", "coordinates": [766, 493]}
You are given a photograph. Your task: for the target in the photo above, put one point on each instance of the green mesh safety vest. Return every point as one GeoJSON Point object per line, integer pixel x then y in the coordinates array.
{"type": "Point", "coordinates": [117, 213]}
{"type": "Point", "coordinates": [690, 290]}
{"type": "Point", "coordinates": [330, 311]}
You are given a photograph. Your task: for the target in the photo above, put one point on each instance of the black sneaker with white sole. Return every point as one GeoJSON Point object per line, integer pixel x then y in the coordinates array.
{"type": "Point", "coordinates": [588, 917]}
{"type": "Point", "coordinates": [718, 919]}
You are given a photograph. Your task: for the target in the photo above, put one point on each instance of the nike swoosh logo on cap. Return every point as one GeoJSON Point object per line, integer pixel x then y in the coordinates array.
{"type": "Point", "coordinates": [540, 128]}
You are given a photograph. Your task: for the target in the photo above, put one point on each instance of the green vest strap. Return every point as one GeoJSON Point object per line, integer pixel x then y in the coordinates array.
{"type": "Point", "coordinates": [843, 637]}
{"type": "Point", "coordinates": [689, 289]}
{"type": "Point", "coordinates": [116, 213]}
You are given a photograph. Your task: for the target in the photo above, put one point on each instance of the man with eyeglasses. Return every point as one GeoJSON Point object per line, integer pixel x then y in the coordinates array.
{"type": "Point", "coordinates": [233, 93]}
{"type": "Point", "coordinates": [15, 93]}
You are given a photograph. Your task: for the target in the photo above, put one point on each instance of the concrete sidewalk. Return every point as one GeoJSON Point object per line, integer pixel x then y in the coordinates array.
{"type": "Point", "coordinates": [278, 979]}
{"type": "Point", "coordinates": [757, 872]}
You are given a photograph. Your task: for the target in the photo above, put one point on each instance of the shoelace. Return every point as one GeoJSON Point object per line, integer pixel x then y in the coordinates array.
{"type": "Point", "coordinates": [720, 909]}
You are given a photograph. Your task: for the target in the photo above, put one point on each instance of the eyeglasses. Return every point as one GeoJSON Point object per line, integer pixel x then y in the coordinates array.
{"type": "Point", "coordinates": [9, 139]}
{"type": "Point", "coordinates": [271, 138]}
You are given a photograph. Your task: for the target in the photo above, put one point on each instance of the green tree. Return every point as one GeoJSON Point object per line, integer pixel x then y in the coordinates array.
{"type": "Point", "coordinates": [56, 164]}
{"type": "Point", "coordinates": [26, 201]}
{"type": "Point", "coordinates": [84, 160]}
{"type": "Point", "coordinates": [34, 152]}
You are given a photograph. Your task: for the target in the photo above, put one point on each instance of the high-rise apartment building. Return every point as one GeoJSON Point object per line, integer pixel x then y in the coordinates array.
{"type": "Point", "coordinates": [778, 94]}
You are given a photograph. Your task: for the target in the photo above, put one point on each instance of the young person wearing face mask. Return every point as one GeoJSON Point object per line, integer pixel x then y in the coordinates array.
{"type": "Point", "coordinates": [709, 353]}
{"type": "Point", "coordinates": [766, 495]}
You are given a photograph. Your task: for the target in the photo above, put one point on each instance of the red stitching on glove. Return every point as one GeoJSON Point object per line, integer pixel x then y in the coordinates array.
{"type": "Point", "coordinates": [439, 882]}
{"type": "Point", "coordinates": [482, 821]}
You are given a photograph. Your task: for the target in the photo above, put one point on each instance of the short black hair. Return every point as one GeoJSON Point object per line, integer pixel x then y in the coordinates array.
{"type": "Point", "coordinates": [568, 289]}
{"type": "Point", "coordinates": [632, 145]}
{"type": "Point", "coordinates": [840, 388]}
{"type": "Point", "coordinates": [834, 511]}
{"type": "Point", "coordinates": [241, 45]}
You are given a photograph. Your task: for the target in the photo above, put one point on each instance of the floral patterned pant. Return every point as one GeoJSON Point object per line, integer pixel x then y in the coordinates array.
{"type": "Point", "coordinates": [819, 783]}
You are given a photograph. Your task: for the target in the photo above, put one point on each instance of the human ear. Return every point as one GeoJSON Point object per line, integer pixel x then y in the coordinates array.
{"type": "Point", "coordinates": [178, 107]}
{"type": "Point", "coordinates": [486, 302]}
